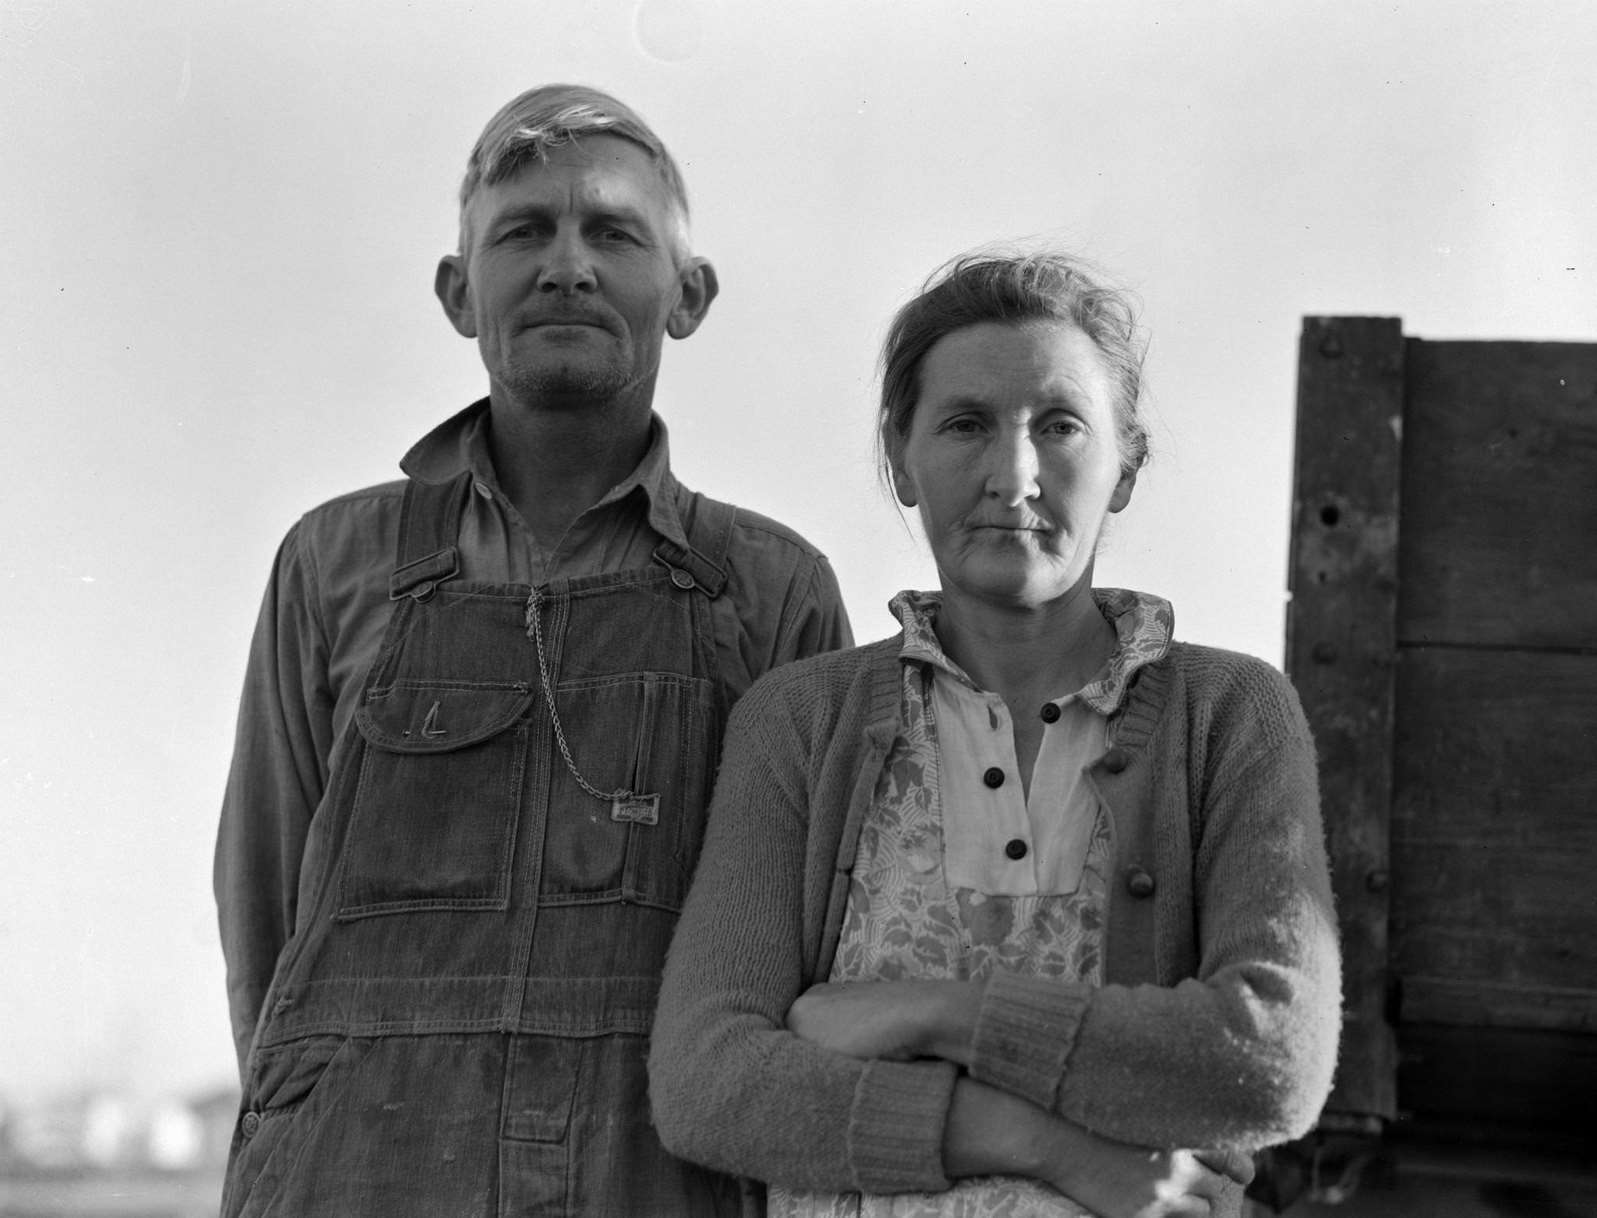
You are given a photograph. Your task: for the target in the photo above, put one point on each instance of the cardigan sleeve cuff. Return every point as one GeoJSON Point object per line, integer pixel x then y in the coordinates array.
{"type": "Point", "coordinates": [897, 1124]}
{"type": "Point", "coordinates": [1024, 1033]}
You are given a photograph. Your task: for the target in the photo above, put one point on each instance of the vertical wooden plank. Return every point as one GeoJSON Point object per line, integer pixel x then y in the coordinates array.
{"type": "Point", "coordinates": [1341, 652]}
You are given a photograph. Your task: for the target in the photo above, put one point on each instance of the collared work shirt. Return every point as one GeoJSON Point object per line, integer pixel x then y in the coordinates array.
{"type": "Point", "coordinates": [326, 609]}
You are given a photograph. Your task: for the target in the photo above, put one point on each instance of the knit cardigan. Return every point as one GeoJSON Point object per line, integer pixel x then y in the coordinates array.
{"type": "Point", "coordinates": [1217, 1022]}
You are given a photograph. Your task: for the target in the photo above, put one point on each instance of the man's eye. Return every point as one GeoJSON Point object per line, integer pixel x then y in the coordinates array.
{"type": "Point", "coordinates": [613, 236]}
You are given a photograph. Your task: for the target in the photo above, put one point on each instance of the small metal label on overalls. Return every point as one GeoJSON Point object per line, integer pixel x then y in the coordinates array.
{"type": "Point", "coordinates": [636, 809]}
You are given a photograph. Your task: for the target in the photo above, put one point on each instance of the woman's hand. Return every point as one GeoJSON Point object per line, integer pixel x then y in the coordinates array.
{"type": "Point", "coordinates": [992, 1132]}
{"type": "Point", "coordinates": [898, 1020]}
{"type": "Point", "coordinates": [1115, 1180]}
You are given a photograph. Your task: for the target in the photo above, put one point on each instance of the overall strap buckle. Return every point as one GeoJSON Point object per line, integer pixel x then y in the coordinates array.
{"type": "Point", "coordinates": [422, 577]}
{"type": "Point", "coordinates": [690, 569]}
{"type": "Point", "coordinates": [701, 564]}
{"type": "Point", "coordinates": [429, 523]}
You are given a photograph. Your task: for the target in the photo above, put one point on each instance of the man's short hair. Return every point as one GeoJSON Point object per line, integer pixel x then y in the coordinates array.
{"type": "Point", "coordinates": [548, 116]}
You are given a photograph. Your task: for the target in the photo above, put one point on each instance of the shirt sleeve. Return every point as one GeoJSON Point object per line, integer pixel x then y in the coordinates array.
{"type": "Point", "coordinates": [781, 604]}
{"type": "Point", "coordinates": [818, 621]}
{"type": "Point", "coordinates": [731, 1087]}
{"type": "Point", "coordinates": [278, 773]}
{"type": "Point", "coordinates": [1239, 1055]}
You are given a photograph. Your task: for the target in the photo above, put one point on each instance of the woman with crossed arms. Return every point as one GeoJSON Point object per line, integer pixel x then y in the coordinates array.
{"type": "Point", "coordinates": [1026, 910]}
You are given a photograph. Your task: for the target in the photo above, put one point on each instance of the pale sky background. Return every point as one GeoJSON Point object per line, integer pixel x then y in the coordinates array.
{"type": "Point", "coordinates": [220, 223]}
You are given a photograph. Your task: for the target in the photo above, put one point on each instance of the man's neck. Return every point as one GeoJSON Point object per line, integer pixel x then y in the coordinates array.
{"type": "Point", "coordinates": [554, 464]}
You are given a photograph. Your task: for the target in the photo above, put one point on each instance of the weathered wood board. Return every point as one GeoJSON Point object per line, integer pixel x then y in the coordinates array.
{"type": "Point", "coordinates": [1499, 507]}
{"type": "Point", "coordinates": [1341, 641]}
{"type": "Point", "coordinates": [1494, 838]}
{"type": "Point", "coordinates": [1443, 635]}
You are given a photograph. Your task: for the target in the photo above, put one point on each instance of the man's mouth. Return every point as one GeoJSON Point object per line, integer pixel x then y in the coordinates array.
{"type": "Point", "coordinates": [558, 322]}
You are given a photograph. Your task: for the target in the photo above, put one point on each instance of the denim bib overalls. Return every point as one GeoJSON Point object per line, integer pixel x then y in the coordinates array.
{"type": "Point", "coordinates": [459, 1024]}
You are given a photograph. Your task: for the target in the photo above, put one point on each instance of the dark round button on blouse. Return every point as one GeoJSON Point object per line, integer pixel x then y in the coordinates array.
{"type": "Point", "coordinates": [1050, 713]}
{"type": "Point", "coordinates": [994, 777]}
{"type": "Point", "coordinates": [1015, 849]}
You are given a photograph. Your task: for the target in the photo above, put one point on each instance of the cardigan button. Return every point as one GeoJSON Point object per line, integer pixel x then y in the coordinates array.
{"type": "Point", "coordinates": [1051, 713]}
{"type": "Point", "coordinates": [1015, 848]}
{"type": "Point", "coordinates": [250, 1124]}
{"type": "Point", "coordinates": [1116, 760]}
{"type": "Point", "coordinates": [1139, 883]}
{"type": "Point", "coordinates": [994, 777]}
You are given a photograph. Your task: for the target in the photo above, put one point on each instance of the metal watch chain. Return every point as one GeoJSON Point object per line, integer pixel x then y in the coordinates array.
{"type": "Point", "coordinates": [618, 799]}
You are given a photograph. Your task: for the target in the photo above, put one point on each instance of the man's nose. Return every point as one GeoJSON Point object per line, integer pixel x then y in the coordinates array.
{"type": "Point", "coordinates": [1012, 468]}
{"type": "Point", "coordinates": [567, 267]}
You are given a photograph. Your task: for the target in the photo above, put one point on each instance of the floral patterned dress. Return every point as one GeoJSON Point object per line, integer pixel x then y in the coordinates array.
{"type": "Point", "coordinates": [905, 919]}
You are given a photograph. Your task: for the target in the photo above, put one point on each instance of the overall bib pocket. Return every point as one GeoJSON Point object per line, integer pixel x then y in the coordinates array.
{"type": "Point", "coordinates": [646, 733]}
{"type": "Point", "coordinates": [438, 800]}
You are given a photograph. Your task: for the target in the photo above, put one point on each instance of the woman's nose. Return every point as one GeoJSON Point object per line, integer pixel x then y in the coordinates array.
{"type": "Point", "coordinates": [1012, 469]}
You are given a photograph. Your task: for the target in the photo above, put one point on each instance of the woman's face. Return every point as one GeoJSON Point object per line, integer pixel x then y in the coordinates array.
{"type": "Point", "coordinates": [1013, 461]}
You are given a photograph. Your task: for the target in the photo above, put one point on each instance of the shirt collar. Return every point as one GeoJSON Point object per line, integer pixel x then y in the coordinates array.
{"type": "Point", "coordinates": [460, 444]}
{"type": "Point", "coordinates": [1144, 626]}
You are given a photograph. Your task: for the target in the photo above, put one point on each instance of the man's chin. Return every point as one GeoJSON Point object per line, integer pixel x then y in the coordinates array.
{"type": "Point", "coordinates": [573, 382]}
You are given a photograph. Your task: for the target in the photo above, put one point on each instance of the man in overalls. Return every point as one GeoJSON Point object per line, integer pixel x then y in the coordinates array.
{"type": "Point", "coordinates": [480, 724]}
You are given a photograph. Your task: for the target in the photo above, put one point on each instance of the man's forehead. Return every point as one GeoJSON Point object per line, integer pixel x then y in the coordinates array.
{"type": "Point", "coordinates": [594, 167]}
{"type": "Point", "coordinates": [596, 175]}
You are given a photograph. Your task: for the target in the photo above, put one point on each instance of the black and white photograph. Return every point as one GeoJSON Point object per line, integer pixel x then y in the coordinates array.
{"type": "Point", "coordinates": [837, 609]}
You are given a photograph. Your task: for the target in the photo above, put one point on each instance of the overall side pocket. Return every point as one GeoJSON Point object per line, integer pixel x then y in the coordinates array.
{"type": "Point", "coordinates": [292, 1089]}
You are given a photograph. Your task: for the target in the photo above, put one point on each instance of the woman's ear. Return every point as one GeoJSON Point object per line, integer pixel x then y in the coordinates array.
{"type": "Point", "coordinates": [903, 484]}
{"type": "Point", "coordinates": [1123, 489]}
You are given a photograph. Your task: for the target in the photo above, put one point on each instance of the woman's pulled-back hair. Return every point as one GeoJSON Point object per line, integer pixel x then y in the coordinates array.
{"type": "Point", "coordinates": [1013, 288]}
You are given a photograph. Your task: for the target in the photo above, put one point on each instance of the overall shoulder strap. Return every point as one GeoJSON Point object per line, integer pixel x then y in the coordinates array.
{"type": "Point", "coordinates": [708, 525]}
{"type": "Point", "coordinates": [429, 523]}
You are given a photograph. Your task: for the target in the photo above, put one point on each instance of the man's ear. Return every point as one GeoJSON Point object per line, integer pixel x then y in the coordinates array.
{"type": "Point", "coordinates": [699, 288]}
{"type": "Point", "coordinates": [450, 286]}
{"type": "Point", "coordinates": [1122, 495]}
